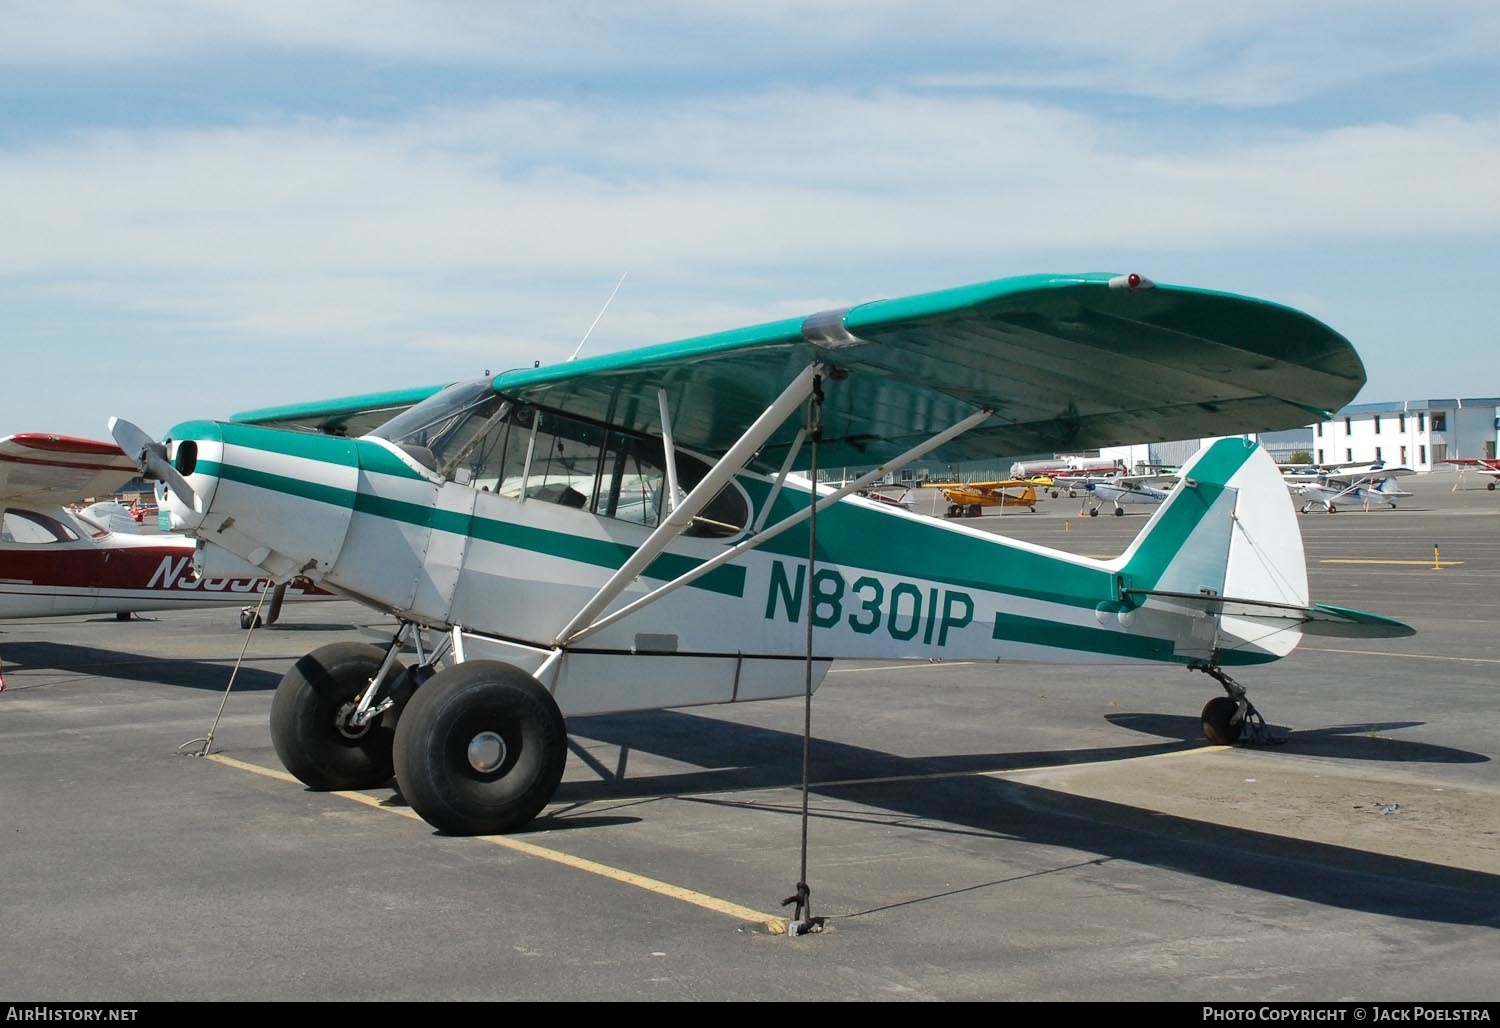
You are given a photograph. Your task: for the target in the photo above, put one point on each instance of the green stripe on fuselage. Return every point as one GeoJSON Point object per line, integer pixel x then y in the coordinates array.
{"type": "Point", "coordinates": [728, 580]}
{"type": "Point", "coordinates": [1037, 632]}
{"type": "Point", "coordinates": [877, 540]}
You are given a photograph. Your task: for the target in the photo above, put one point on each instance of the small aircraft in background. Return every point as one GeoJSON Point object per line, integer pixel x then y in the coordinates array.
{"type": "Point", "coordinates": [55, 560]}
{"type": "Point", "coordinates": [1486, 466]}
{"type": "Point", "coordinates": [969, 499]}
{"type": "Point", "coordinates": [890, 495]}
{"type": "Point", "coordinates": [1349, 485]}
{"type": "Point", "coordinates": [1119, 490]}
{"type": "Point", "coordinates": [1069, 473]}
{"type": "Point", "coordinates": [626, 532]}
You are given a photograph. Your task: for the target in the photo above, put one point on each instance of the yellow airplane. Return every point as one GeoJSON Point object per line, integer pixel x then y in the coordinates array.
{"type": "Point", "coordinates": [968, 499]}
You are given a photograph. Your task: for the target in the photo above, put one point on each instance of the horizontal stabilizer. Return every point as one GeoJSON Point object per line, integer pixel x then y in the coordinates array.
{"type": "Point", "coordinates": [1319, 619]}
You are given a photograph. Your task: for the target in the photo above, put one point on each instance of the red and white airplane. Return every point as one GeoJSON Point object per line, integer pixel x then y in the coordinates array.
{"type": "Point", "coordinates": [55, 560]}
{"type": "Point", "coordinates": [1488, 466]}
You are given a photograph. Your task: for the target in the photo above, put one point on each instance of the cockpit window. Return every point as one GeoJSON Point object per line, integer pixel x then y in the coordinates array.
{"type": "Point", "coordinates": [32, 528]}
{"type": "Point", "coordinates": [544, 455]}
{"type": "Point", "coordinates": [439, 431]}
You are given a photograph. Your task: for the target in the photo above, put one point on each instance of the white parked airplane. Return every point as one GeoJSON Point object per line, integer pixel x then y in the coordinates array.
{"type": "Point", "coordinates": [1350, 485]}
{"type": "Point", "coordinates": [626, 532]}
{"type": "Point", "coordinates": [1150, 490]}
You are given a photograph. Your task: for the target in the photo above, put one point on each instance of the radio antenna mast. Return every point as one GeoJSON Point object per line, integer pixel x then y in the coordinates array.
{"type": "Point", "coordinates": [590, 332]}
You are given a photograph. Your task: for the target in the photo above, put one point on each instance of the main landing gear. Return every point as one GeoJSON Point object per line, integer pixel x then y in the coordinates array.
{"type": "Point", "coordinates": [477, 748]}
{"type": "Point", "coordinates": [1226, 717]}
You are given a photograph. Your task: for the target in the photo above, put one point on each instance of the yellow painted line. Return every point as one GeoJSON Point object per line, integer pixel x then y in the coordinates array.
{"type": "Point", "coordinates": [254, 769]}
{"type": "Point", "coordinates": [772, 923]}
{"type": "Point", "coordinates": [907, 666]}
{"type": "Point", "coordinates": [1413, 563]}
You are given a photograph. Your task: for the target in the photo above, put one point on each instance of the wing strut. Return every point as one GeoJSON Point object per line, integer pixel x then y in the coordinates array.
{"type": "Point", "coordinates": [675, 523]}
{"type": "Point", "coordinates": [574, 633]}
{"type": "Point", "coordinates": [670, 450]}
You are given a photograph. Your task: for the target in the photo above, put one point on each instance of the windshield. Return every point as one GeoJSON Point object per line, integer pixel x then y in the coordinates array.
{"type": "Point", "coordinates": [438, 430]}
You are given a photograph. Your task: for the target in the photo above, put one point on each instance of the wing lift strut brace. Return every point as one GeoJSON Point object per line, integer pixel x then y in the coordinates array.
{"type": "Point", "coordinates": [807, 385]}
{"type": "Point", "coordinates": [587, 621]}
{"type": "Point", "coordinates": [680, 516]}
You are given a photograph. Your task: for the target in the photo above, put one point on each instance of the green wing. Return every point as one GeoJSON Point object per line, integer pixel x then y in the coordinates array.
{"type": "Point", "coordinates": [351, 416]}
{"type": "Point", "coordinates": [1064, 362]}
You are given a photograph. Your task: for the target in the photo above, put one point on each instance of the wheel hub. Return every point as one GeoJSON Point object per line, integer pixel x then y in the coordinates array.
{"type": "Point", "coordinates": [344, 721]}
{"type": "Point", "coordinates": [486, 752]}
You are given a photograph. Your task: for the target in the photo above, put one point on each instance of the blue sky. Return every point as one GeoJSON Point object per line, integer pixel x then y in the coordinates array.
{"type": "Point", "coordinates": [210, 206]}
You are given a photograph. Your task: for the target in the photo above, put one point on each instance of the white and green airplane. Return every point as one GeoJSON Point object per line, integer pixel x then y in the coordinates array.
{"type": "Point", "coordinates": [626, 532]}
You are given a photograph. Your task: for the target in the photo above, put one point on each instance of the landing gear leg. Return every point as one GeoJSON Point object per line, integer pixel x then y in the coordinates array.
{"type": "Point", "coordinates": [1226, 717]}
{"type": "Point", "coordinates": [326, 724]}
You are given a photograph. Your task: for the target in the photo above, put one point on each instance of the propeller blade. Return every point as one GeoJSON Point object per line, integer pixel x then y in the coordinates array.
{"type": "Point", "coordinates": [151, 457]}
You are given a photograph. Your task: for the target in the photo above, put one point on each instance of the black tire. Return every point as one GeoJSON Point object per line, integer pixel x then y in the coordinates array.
{"type": "Point", "coordinates": [1094, 513]}
{"type": "Point", "coordinates": [975, 510]}
{"type": "Point", "coordinates": [503, 716]}
{"type": "Point", "coordinates": [1491, 487]}
{"type": "Point", "coordinates": [1119, 512]}
{"type": "Point", "coordinates": [307, 713]}
{"type": "Point", "coordinates": [1219, 726]}
{"type": "Point", "coordinates": [273, 609]}
{"type": "Point", "coordinates": [249, 619]}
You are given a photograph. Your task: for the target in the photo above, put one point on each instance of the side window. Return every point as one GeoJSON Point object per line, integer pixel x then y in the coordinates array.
{"type": "Point", "coordinates": [632, 481]}
{"type": "Point", "coordinates": [726, 514]}
{"type": "Point", "coordinates": [499, 459]}
{"type": "Point", "coordinates": [31, 528]}
{"type": "Point", "coordinates": [565, 464]}
{"type": "Point", "coordinates": [579, 464]}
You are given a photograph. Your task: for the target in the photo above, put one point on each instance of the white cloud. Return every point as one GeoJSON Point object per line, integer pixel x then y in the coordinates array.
{"type": "Point", "coordinates": [1267, 52]}
{"type": "Point", "coordinates": [527, 190]}
{"type": "Point", "coordinates": [487, 229]}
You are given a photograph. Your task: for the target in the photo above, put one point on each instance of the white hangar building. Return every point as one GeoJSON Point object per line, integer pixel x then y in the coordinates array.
{"type": "Point", "coordinates": [1419, 434]}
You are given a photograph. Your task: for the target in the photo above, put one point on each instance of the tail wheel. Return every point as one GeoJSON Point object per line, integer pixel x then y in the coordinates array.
{"type": "Point", "coordinates": [310, 713]}
{"type": "Point", "coordinates": [1221, 724]}
{"type": "Point", "coordinates": [480, 749]}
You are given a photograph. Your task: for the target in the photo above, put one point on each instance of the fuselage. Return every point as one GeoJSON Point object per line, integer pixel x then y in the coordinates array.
{"type": "Point", "coordinates": [515, 558]}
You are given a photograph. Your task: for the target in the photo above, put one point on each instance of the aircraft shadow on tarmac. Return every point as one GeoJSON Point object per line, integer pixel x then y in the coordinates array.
{"type": "Point", "coordinates": [1346, 742]}
{"type": "Point", "coordinates": [134, 667]}
{"type": "Point", "coordinates": [948, 796]}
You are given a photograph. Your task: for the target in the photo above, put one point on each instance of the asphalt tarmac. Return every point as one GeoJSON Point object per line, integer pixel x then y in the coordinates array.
{"type": "Point", "coordinates": [977, 831]}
